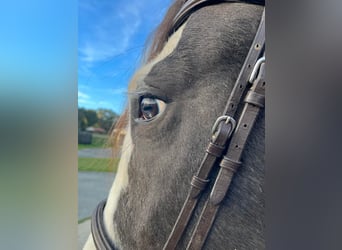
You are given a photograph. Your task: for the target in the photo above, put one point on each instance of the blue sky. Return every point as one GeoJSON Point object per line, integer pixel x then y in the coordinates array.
{"type": "Point", "coordinates": [111, 38]}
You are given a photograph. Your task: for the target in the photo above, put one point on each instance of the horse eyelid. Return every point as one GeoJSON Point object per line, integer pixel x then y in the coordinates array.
{"type": "Point", "coordinates": [151, 93]}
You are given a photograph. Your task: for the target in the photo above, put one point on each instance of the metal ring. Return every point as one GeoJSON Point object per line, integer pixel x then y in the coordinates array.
{"type": "Point", "coordinates": [222, 118]}
{"type": "Point", "coordinates": [256, 69]}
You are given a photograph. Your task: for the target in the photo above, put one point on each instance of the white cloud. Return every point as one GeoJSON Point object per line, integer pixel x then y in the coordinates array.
{"type": "Point", "coordinates": [84, 99]}
{"type": "Point", "coordinates": [86, 102]}
{"type": "Point", "coordinates": [82, 95]}
{"type": "Point", "coordinates": [118, 91]}
{"type": "Point", "coordinates": [104, 38]}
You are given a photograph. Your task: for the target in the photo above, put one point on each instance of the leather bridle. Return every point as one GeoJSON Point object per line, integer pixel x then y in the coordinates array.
{"type": "Point", "coordinates": [225, 147]}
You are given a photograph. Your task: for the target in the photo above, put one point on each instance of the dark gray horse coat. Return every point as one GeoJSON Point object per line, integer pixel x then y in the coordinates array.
{"type": "Point", "coordinates": [194, 80]}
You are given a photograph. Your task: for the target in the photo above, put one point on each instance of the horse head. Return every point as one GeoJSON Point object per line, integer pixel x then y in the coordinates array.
{"type": "Point", "coordinates": [174, 98]}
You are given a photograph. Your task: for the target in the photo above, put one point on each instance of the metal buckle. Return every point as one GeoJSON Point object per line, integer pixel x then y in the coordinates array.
{"type": "Point", "coordinates": [256, 69]}
{"type": "Point", "coordinates": [228, 120]}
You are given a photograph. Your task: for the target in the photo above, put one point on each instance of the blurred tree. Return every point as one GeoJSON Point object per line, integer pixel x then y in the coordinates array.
{"type": "Point", "coordinates": [82, 119]}
{"type": "Point", "coordinates": [91, 117]}
{"type": "Point", "coordinates": [101, 118]}
{"type": "Point", "coordinates": [106, 118]}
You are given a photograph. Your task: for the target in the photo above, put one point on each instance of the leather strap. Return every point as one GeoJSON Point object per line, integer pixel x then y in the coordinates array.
{"type": "Point", "coordinates": [191, 6]}
{"type": "Point", "coordinates": [199, 182]}
{"type": "Point", "coordinates": [211, 155]}
{"type": "Point", "coordinates": [98, 231]}
{"type": "Point", "coordinates": [247, 68]}
{"type": "Point", "coordinates": [229, 164]}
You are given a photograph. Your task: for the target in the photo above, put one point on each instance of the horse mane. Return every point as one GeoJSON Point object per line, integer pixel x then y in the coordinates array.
{"type": "Point", "coordinates": [161, 34]}
{"type": "Point", "coordinates": [153, 47]}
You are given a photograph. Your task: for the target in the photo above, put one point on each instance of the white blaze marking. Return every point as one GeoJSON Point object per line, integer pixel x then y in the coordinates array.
{"type": "Point", "coordinates": [120, 183]}
{"type": "Point", "coordinates": [121, 178]}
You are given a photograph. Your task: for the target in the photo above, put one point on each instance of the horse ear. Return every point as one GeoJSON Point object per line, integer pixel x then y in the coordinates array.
{"type": "Point", "coordinates": [118, 133]}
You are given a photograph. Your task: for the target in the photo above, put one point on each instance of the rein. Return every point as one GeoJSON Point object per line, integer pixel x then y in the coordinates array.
{"type": "Point", "coordinates": [228, 136]}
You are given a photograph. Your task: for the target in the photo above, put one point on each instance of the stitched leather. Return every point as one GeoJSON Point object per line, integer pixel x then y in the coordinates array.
{"type": "Point", "coordinates": [214, 149]}
{"type": "Point", "coordinates": [199, 183]}
{"type": "Point", "coordinates": [192, 199]}
{"type": "Point", "coordinates": [229, 165]}
{"type": "Point", "coordinates": [255, 98]}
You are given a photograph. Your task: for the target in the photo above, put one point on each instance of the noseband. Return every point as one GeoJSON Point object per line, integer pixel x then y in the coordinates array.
{"type": "Point", "coordinates": [225, 147]}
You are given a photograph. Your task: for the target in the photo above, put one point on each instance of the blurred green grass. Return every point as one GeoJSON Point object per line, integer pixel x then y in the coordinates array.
{"type": "Point", "coordinates": [83, 220]}
{"type": "Point", "coordinates": [98, 164]}
{"type": "Point", "coordinates": [98, 141]}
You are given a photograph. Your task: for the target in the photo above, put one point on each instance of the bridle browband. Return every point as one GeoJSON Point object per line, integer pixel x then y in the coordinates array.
{"type": "Point", "coordinates": [228, 137]}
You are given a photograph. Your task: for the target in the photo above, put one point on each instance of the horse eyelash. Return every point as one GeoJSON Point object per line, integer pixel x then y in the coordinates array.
{"type": "Point", "coordinates": [143, 94]}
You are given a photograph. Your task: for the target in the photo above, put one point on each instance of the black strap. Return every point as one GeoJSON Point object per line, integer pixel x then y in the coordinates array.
{"type": "Point", "coordinates": [229, 165]}
{"type": "Point", "coordinates": [98, 231]}
{"type": "Point", "coordinates": [200, 180]}
{"type": "Point", "coordinates": [190, 6]}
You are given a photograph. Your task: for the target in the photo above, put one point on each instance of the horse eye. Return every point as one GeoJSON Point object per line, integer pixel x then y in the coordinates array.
{"type": "Point", "coordinates": [150, 108]}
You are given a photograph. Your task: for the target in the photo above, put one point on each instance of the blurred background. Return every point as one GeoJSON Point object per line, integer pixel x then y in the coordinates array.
{"type": "Point", "coordinates": [64, 69]}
